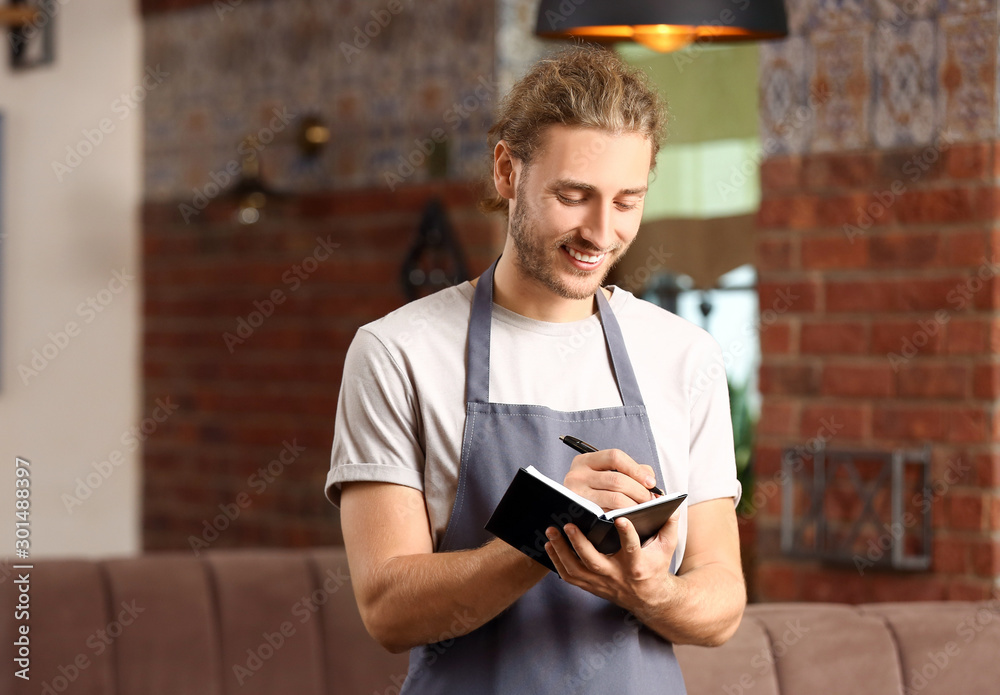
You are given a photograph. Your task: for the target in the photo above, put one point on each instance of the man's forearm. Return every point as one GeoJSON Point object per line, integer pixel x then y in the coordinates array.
{"type": "Point", "coordinates": [703, 606]}
{"type": "Point", "coordinates": [430, 597]}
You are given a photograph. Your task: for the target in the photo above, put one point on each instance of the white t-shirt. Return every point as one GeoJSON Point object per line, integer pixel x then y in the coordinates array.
{"type": "Point", "coordinates": [401, 414]}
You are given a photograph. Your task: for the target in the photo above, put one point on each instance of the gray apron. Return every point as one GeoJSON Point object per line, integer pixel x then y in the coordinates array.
{"type": "Point", "coordinates": [557, 638]}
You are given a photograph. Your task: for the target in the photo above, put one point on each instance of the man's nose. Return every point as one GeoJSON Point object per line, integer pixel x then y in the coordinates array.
{"type": "Point", "coordinates": [599, 227]}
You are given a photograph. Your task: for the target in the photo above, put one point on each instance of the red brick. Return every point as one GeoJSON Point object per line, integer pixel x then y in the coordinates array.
{"type": "Point", "coordinates": [968, 425]}
{"type": "Point", "coordinates": [966, 336]}
{"type": "Point", "coordinates": [966, 511]}
{"type": "Point", "coordinates": [995, 515]}
{"type": "Point", "coordinates": [911, 166]}
{"type": "Point", "coordinates": [788, 379]}
{"type": "Point", "coordinates": [867, 296]}
{"type": "Point", "coordinates": [804, 212]}
{"type": "Point", "coordinates": [928, 294]}
{"type": "Point", "coordinates": [972, 161]}
{"type": "Point", "coordinates": [774, 254]}
{"type": "Point", "coordinates": [835, 421]}
{"type": "Point", "coordinates": [870, 296]}
{"type": "Point", "coordinates": [768, 536]}
{"type": "Point", "coordinates": [780, 173]}
{"type": "Point", "coordinates": [967, 247]}
{"type": "Point", "coordinates": [988, 475]}
{"type": "Point", "coordinates": [905, 338]}
{"type": "Point", "coordinates": [778, 417]}
{"type": "Point", "coordinates": [968, 589]}
{"type": "Point", "coordinates": [985, 294]}
{"type": "Point", "coordinates": [776, 338]}
{"type": "Point", "coordinates": [987, 203]}
{"type": "Point", "coordinates": [834, 252]}
{"type": "Point", "coordinates": [772, 501]}
{"type": "Point", "coordinates": [986, 381]}
{"type": "Point", "coordinates": [764, 498]}
{"type": "Point", "coordinates": [774, 212]}
{"type": "Point", "coordinates": [993, 336]}
{"type": "Point", "coordinates": [842, 170]}
{"type": "Point", "coordinates": [905, 422]}
{"type": "Point", "coordinates": [939, 513]}
{"type": "Point", "coordinates": [875, 380]}
{"type": "Point", "coordinates": [942, 205]}
{"type": "Point", "coordinates": [834, 585]}
{"type": "Point", "coordinates": [952, 467]}
{"type": "Point", "coordinates": [995, 426]}
{"type": "Point", "coordinates": [951, 556]}
{"type": "Point", "coordinates": [906, 250]}
{"type": "Point", "coordinates": [934, 381]}
{"type": "Point", "coordinates": [784, 297]}
{"type": "Point", "coordinates": [766, 460]}
{"type": "Point", "coordinates": [777, 582]}
{"type": "Point", "coordinates": [199, 279]}
{"type": "Point", "coordinates": [894, 587]}
{"type": "Point", "coordinates": [854, 214]}
{"type": "Point", "coordinates": [986, 558]}
{"type": "Point", "coordinates": [834, 337]}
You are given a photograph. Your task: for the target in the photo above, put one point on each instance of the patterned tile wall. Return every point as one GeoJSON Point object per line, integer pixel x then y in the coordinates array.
{"type": "Point", "coordinates": [517, 47]}
{"type": "Point", "coordinates": [858, 74]}
{"type": "Point", "coordinates": [386, 75]}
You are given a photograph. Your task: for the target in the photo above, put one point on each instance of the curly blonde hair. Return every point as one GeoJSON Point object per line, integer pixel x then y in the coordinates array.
{"type": "Point", "coordinates": [583, 85]}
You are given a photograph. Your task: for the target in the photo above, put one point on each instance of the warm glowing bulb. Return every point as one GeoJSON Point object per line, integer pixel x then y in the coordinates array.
{"type": "Point", "coordinates": [664, 37]}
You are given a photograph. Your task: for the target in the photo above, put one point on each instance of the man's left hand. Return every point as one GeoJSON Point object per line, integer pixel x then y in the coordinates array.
{"type": "Point", "coordinates": [701, 604]}
{"type": "Point", "coordinates": [637, 577]}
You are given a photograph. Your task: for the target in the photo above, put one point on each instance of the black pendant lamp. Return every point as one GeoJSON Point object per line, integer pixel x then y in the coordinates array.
{"type": "Point", "coordinates": [663, 25]}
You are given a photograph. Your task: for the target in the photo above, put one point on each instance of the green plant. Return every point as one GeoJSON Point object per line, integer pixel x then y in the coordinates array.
{"type": "Point", "coordinates": [744, 426]}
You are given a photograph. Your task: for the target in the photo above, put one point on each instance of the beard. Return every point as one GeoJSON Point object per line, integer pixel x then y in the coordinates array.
{"type": "Point", "coordinates": [541, 261]}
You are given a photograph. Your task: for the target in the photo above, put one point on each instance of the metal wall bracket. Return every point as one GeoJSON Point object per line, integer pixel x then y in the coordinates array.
{"type": "Point", "coordinates": [886, 495]}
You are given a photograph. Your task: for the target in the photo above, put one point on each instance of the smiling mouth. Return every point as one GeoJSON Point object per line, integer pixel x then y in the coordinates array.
{"type": "Point", "coordinates": [589, 259]}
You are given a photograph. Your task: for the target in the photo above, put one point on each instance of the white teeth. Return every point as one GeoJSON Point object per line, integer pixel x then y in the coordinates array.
{"type": "Point", "coordinates": [583, 257]}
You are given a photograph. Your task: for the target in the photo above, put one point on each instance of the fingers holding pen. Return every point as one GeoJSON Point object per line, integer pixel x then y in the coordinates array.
{"type": "Point", "coordinates": [610, 478]}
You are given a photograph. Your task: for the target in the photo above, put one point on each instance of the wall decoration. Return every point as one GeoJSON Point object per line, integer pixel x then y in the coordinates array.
{"type": "Point", "coordinates": [31, 36]}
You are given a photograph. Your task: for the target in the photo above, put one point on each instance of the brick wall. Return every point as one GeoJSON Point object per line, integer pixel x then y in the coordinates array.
{"type": "Point", "coordinates": [245, 333]}
{"type": "Point", "coordinates": [879, 292]}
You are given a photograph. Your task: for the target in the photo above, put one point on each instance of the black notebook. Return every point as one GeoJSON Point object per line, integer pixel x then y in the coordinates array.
{"type": "Point", "coordinates": [533, 502]}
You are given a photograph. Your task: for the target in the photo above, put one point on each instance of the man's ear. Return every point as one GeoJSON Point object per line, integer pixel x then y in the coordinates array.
{"type": "Point", "coordinates": [504, 176]}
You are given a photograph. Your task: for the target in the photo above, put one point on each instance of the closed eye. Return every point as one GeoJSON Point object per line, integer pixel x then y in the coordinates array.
{"type": "Point", "coordinates": [626, 205]}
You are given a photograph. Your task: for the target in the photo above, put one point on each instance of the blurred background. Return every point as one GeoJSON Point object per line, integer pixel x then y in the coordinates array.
{"type": "Point", "coordinates": [201, 201]}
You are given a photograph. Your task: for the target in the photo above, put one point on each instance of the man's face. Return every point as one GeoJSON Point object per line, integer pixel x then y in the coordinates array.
{"type": "Point", "coordinates": [578, 207]}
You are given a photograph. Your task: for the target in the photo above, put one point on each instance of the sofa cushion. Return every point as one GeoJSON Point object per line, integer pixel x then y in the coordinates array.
{"type": "Point", "coordinates": [68, 604]}
{"type": "Point", "coordinates": [932, 648]}
{"type": "Point", "coordinates": [171, 645]}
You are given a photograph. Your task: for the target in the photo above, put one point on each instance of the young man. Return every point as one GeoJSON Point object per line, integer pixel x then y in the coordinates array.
{"type": "Point", "coordinates": [445, 398]}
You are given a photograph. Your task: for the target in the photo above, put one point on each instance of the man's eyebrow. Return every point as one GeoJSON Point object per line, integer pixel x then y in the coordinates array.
{"type": "Point", "coordinates": [563, 184]}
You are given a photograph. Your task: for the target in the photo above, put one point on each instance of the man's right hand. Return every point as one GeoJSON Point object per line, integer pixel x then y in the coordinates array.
{"type": "Point", "coordinates": [610, 478]}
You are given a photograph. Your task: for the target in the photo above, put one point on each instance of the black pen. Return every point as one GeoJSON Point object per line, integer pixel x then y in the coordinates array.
{"type": "Point", "coordinates": [584, 448]}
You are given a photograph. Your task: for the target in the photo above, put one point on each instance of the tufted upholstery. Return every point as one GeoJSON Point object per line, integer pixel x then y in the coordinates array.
{"type": "Point", "coordinates": [266, 621]}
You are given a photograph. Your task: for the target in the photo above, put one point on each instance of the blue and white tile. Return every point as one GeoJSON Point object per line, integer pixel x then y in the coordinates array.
{"type": "Point", "coordinates": [967, 76]}
{"type": "Point", "coordinates": [786, 121]}
{"type": "Point", "coordinates": [905, 85]}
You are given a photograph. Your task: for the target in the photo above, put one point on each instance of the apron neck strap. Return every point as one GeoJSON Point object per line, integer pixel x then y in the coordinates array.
{"type": "Point", "coordinates": [477, 385]}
